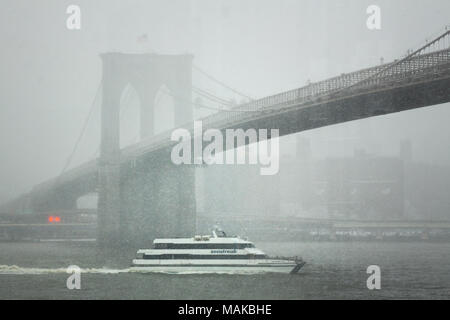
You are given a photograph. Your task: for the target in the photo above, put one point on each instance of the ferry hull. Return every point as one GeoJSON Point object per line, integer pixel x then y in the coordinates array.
{"type": "Point", "coordinates": [249, 268]}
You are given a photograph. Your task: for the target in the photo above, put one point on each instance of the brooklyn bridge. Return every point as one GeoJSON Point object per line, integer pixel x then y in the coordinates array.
{"type": "Point", "coordinates": [142, 194]}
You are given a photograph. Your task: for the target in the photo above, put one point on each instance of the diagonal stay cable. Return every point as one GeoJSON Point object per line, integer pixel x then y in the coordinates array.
{"type": "Point", "coordinates": [220, 82]}
{"type": "Point", "coordinates": [83, 130]}
{"type": "Point", "coordinates": [210, 96]}
{"type": "Point", "coordinates": [199, 105]}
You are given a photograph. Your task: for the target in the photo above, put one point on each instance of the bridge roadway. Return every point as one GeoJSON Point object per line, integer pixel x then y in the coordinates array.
{"type": "Point", "coordinates": [302, 222]}
{"type": "Point", "coordinates": [85, 229]}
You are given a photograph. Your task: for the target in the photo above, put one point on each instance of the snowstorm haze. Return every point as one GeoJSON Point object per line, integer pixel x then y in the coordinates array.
{"type": "Point", "coordinates": [49, 75]}
{"type": "Point", "coordinates": [110, 190]}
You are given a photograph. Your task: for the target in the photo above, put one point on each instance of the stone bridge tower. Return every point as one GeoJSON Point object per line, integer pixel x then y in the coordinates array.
{"type": "Point", "coordinates": [152, 197]}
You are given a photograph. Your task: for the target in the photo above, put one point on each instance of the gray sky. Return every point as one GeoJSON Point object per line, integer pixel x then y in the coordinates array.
{"type": "Point", "coordinates": [49, 75]}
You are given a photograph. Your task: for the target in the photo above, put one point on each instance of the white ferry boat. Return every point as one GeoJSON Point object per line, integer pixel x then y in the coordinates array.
{"type": "Point", "coordinates": [211, 254]}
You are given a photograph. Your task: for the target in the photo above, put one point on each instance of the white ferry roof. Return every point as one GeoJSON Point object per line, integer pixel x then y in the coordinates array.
{"type": "Point", "coordinates": [203, 240]}
{"type": "Point", "coordinates": [244, 251]}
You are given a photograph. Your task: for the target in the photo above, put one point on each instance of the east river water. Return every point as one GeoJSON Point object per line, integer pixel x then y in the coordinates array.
{"type": "Point", "coordinates": [334, 270]}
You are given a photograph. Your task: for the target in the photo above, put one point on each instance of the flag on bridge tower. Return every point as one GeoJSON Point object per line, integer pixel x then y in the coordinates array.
{"type": "Point", "coordinates": [143, 43]}
{"type": "Point", "coordinates": [143, 38]}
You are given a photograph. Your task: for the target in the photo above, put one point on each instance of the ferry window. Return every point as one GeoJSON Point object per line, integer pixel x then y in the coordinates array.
{"type": "Point", "coordinates": [221, 234]}
{"type": "Point", "coordinates": [244, 245]}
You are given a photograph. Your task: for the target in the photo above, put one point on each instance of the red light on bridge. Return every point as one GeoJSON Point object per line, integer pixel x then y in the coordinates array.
{"type": "Point", "coordinates": [53, 219]}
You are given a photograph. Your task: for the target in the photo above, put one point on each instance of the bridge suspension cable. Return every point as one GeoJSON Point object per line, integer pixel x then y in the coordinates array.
{"type": "Point", "coordinates": [196, 104]}
{"type": "Point", "coordinates": [442, 41]}
{"type": "Point", "coordinates": [210, 77]}
{"type": "Point", "coordinates": [434, 44]}
{"type": "Point", "coordinates": [200, 105]}
{"type": "Point", "coordinates": [83, 129]}
{"type": "Point", "coordinates": [433, 35]}
{"type": "Point", "coordinates": [210, 96]}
